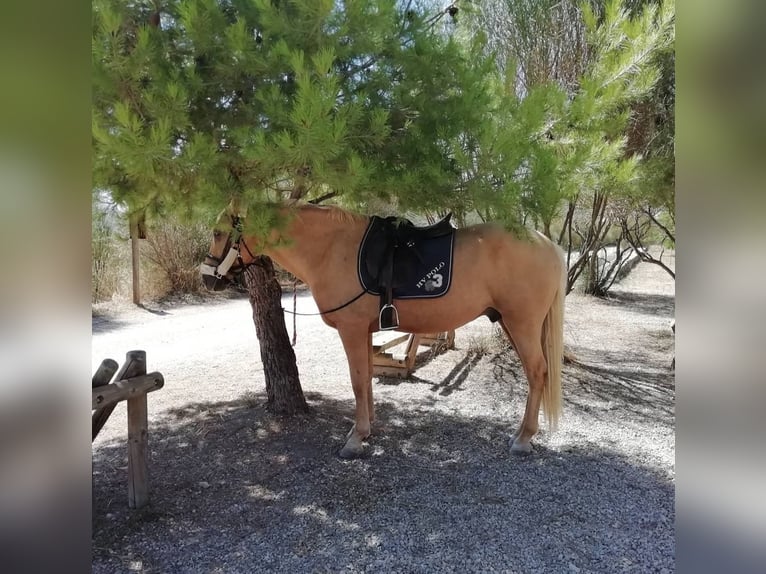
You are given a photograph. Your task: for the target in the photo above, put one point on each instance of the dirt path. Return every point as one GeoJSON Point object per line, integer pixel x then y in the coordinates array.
{"type": "Point", "coordinates": [238, 490]}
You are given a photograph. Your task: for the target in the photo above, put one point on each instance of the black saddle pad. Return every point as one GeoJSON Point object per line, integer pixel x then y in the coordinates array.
{"type": "Point", "coordinates": [422, 257]}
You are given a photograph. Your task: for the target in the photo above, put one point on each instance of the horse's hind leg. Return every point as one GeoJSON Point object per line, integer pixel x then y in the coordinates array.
{"type": "Point", "coordinates": [357, 347]}
{"type": "Point", "coordinates": [370, 406]}
{"type": "Point", "coordinates": [527, 341]}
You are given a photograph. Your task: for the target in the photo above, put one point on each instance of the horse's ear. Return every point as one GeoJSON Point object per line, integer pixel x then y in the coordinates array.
{"type": "Point", "coordinates": [236, 208]}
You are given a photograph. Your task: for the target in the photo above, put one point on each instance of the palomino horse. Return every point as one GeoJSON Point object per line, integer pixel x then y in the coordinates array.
{"type": "Point", "coordinates": [521, 282]}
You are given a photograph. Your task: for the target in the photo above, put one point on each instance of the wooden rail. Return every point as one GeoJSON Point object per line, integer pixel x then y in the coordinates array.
{"type": "Point", "coordinates": [127, 389]}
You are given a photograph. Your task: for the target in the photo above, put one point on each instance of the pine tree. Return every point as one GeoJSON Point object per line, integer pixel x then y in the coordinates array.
{"type": "Point", "coordinates": [200, 102]}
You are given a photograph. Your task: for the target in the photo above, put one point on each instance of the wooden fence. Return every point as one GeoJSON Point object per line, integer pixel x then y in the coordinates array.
{"type": "Point", "coordinates": [131, 384]}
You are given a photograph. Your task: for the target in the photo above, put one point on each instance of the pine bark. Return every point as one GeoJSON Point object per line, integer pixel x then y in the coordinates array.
{"type": "Point", "coordinates": [283, 387]}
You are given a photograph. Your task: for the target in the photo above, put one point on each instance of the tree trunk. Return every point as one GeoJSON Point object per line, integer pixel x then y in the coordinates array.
{"type": "Point", "coordinates": [135, 260]}
{"type": "Point", "coordinates": [547, 229]}
{"type": "Point", "coordinates": [283, 386]}
{"type": "Point", "coordinates": [592, 275]}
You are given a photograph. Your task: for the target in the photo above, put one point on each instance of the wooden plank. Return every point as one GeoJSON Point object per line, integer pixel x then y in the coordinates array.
{"type": "Point", "coordinates": [387, 359]}
{"type": "Point", "coordinates": [135, 365]}
{"type": "Point", "coordinates": [104, 373]}
{"type": "Point", "coordinates": [443, 340]}
{"type": "Point", "coordinates": [126, 389]}
{"type": "Point", "coordinates": [412, 351]}
{"type": "Point", "coordinates": [138, 439]}
{"type": "Point", "coordinates": [391, 343]}
{"type": "Point", "coordinates": [384, 371]}
{"type": "Point", "coordinates": [388, 365]}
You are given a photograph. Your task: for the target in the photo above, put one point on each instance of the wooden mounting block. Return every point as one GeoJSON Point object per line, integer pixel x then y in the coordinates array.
{"type": "Point", "coordinates": [387, 364]}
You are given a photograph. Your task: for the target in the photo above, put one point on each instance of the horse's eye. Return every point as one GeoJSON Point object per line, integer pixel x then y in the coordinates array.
{"type": "Point", "coordinates": [217, 234]}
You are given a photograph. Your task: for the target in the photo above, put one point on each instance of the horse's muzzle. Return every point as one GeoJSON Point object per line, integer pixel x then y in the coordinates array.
{"type": "Point", "coordinates": [215, 283]}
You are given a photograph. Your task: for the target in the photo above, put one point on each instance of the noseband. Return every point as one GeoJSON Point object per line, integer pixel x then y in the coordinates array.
{"type": "Point", "coordinates": [227, 265]}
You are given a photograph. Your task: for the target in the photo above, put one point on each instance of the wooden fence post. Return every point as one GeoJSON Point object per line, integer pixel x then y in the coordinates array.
{"type": "Point", "coordinates": [138, 437]}
{"type": "Point", "coordinates": [135, 364]}
{"type": "Point", "coordinates": [103, 375]}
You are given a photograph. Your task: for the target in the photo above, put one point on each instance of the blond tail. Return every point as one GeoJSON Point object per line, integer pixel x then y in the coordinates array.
{"type": "Point", "coordinates": [553, 348]}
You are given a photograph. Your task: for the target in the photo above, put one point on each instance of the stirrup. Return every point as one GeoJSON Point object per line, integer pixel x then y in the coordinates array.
{"type": "Point", "coordinates": [394, 316]}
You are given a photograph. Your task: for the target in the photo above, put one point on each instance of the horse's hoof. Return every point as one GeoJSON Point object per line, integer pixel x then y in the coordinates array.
{"type": "Point", "coordinates": [520, 448]}
{"type": "Point", "coordinates": [350, 453]}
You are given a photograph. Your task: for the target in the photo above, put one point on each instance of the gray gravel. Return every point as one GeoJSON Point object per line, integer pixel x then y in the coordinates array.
{"type": "Point", "coordinates": [235, 489]}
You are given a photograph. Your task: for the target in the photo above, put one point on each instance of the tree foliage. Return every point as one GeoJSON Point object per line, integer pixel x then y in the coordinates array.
{"type": "Point", "coordinates": [602, 69]}
{"type": "Point", "coordinates": [525, 112]}
{"type": "Point", "coordinates": [200, 101]}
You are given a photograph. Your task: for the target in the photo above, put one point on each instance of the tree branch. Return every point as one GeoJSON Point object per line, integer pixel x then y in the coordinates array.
{"type": "Point", "coordinates": [567, 221]}
{"type": "Point", "coordinates": [665, 230]}
{"type": "Point", "coordinates": [637, 244]}
{"type": "Point", "coordinates": [324, 197]}
{"type": "Point", "coordinates": [430, 23]}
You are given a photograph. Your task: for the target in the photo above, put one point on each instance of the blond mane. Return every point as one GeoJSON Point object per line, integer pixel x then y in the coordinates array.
{"type": "Point", "coordinates": [336, 213]}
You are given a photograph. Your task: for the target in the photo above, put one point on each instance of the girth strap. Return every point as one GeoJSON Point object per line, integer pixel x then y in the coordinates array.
{"type": "Point", "coordinates": [388, 318]}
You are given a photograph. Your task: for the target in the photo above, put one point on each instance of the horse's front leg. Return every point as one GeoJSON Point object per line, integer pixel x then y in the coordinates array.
{"type": "Point", "coordinates": [357, 344]}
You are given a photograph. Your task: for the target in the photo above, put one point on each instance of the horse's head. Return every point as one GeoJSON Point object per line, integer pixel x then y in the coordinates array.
{"type": "Point", "coordinates": [229, 254]}
{"type": "Point", "coordinates": [224, 261]}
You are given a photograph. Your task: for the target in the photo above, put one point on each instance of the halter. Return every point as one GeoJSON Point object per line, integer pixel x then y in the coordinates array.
{"type": "Point", "coordinates": [226, 265]}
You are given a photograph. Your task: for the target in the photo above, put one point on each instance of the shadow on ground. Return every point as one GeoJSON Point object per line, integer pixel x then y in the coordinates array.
{"type": "Point", "coordinates": [449, 384]}
{"type": "Point", "coordinates": [647, 395]}
{"type": "Point", "coordinates": [654, 304]}
{"type": "Point", "coordinates": [104, 323]}
{"type": "Point", "coordinates": [236, 489]}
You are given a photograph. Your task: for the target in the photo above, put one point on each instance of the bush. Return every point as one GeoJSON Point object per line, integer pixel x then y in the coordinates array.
{"type": "Point", "coordinates": [176, 250]}
{"type": "Point", "coordinates": [105, 272]}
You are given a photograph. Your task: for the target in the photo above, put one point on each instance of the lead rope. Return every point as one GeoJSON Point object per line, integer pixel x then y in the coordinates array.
{"type": "Point", "coordinates": [295, 316]}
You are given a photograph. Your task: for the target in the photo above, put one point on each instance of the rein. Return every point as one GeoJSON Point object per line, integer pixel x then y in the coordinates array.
{"type": "Point", "coordinates": [338, 308]}
{"type": "Point", "coordinates": [295, 314]}
{"type": "Point", "coordinates": [295, 296]}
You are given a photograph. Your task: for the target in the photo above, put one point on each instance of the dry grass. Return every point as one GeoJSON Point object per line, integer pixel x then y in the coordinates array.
{"type": "Point", "coordinates": [104, 251]}
{"type": "Point", "coordinates": [491, 342]}
{"type": "Point", "coordinates": [169, 262]}
{"type": "Point", "coordinates": [176, 251]}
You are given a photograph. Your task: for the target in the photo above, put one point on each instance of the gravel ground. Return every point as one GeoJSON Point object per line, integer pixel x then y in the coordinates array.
{"type": "Point", "coordinates": [236, 489]}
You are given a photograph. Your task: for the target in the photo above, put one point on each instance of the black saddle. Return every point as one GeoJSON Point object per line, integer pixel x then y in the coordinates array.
{"type": "Point", "coordinates": [398, 260]}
